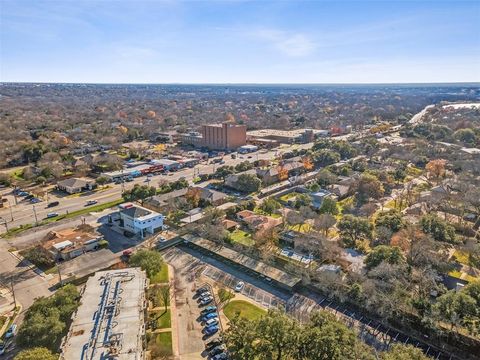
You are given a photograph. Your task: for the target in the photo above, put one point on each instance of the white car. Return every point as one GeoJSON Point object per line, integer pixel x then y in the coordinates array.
{"type": "Point", "coordinates": [211, 322]}
{"type": "Point", "coordinates": [239, 286]}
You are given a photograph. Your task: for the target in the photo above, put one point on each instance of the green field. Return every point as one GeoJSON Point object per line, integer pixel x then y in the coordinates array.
{"type": "Point", "coordinates": [161, 276]}
{"type": "Point", "coordinates": [161, 345]}
{"type": "Point", "coordinates": [161, 319]}
{"type": "Point", "coordinates": [242, 237]}
{"type": "Point", "coordinates": [246, 310]}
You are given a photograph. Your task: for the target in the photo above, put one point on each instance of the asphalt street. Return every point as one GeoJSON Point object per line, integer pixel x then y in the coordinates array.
{"type": "Point", "coordinates": [25, 213]}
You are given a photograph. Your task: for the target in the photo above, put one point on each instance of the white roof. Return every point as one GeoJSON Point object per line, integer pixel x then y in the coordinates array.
{"type": "Point", "coordinates": [62, 245]}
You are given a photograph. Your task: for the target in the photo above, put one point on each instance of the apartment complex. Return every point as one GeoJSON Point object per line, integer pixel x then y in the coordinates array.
{"type": "Point", "coordinates": [109, 324]}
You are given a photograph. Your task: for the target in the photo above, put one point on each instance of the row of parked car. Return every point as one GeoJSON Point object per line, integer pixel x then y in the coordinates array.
{"type": "Point", "coordinates": [27, 196]}
{"type": "Point", "coordinates": [209, 318]}
{"type": "Point", "coordinates": [9, 334]}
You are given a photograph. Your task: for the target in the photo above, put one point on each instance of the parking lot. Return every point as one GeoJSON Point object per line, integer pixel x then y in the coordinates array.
{"type": "Point", "coordinates": [258, 295]}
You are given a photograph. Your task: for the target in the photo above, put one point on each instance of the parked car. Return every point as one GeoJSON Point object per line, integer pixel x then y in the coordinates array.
{"type": "Point", "coordinates": [35, 200]}
{"type": "Point", "coordinates": [209, 316]}
{"type": "Point", "coordinates": [218, 350]}
{"type": "Point", "coordinates": [239, 286]}
{"type": "Point", "coordinates": [222, 356]}
{"type": "Point", "coordinates": [162, 239]}
{"type": "Point", "coordinates": [3, 347]}
{"type": "Point", "coordinates": [211, 322]}
{"type": "Point", "coordinates": [201, 290]}
{"type": "Point", "coordinates": [52, 215]}
{"type": "Point", "coordinates": [213, 343]}
{"type": "Point", "coordinates": [206, 301]}
{"type": "Point", "coordinates": [28, 197]}
{"type": "Point", "coordinates": [129, 179]}
{"type": "Point", "coordinates": [205, 294]}
{"type": "Point", "coordinates": [91, 202]}
{"type": "Point", "coordinates": [210, 330]}
{"type": "Point", "coordinates": [23, 193]}
{"type": "Point", "coordinates": [11, 331]}
{"type": "Point", "coordinates": [53, 204]}
{"type": "Point", "coordinates": [208, 310]}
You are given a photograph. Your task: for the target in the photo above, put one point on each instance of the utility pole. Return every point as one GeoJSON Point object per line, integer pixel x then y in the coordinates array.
{"type": "Point", "coordinates": [35, 213]}
{"type": "Point", "coordinates": [59, 275]}
{"type": "Point", "coordinates": [13, 293]}
{"type": "Point", "coordinates": [10, 207]}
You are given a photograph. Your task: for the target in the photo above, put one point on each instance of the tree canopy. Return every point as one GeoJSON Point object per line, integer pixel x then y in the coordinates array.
{"type": "Point", "coordinates": [149, 260]}
{"type": "Point", "coordinates": [36, 353]}
{"type": "Point", "coordinates": [46, 320]}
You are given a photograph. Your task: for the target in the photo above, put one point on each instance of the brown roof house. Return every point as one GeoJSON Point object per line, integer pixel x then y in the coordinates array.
{"type": "Point", "coordinates": [76, 185]}
{"type": "Point", "coordinates": [70, 243]}
{"type": "Point", "coordinates": [258, 222]}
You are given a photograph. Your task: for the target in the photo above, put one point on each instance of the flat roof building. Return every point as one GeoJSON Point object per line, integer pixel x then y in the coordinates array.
{"type": "Point", "coordinates": [224, 136]}
{"type": "Point", "coordinates": [109, 324]}
{"type": "Point", "coordinates": [298, 136]}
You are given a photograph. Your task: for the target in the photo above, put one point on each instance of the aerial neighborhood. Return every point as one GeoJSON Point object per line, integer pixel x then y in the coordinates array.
{"type": "Point", "coordinates": [157, 237]}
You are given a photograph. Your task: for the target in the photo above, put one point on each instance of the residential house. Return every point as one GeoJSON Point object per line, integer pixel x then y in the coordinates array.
{"type": "Point", "coordinates": [70, 243]}
{"type": "Point", "coordinates": [230, 225]}
{"type": "Point", "coordinates": [341, 191]}
{"type": "Point", "coordinates": [76, 185]}
{"type": "Point", "coordinates": [256, 222]}
{"type": "Point", "coordinates": [139, 220]}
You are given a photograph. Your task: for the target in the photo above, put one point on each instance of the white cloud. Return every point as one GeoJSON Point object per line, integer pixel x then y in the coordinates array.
{"type": "Point", "coordinates": [290, 44]}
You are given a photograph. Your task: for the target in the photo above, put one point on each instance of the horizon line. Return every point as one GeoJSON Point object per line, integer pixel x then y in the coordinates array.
{"type": "Point", "coordinates": [477, 83]}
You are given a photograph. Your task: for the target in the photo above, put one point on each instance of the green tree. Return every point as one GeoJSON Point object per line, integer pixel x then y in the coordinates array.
{"type": "Point", "coordinates": [328, 206]}
{"type": "Point", "coordinates": [36, 353]}
{"type": "Point", "coordinates": [45, 321]}
{"type": "Point", "coordinates": [224, 296]}
{"type": "Point", "coordinates": [149, 260]}
{"type": "Point", "coordinates": [353, 229]}
{"type": "Point", "coordinates": [248, 183]}
{"type": "Point", "coordinates": [243, 166]}
{"type": "Point", "coordinates": [223, 171]}
{"type": "Point", "coordinates": [390, 254]}
{"type": "Point", "coordinates": [466, 135]}
{"type": "Point", "coordinates": [404, 352]}
{"type": "Point", "coordinates": [367, 187]}
{"type": "Point", "coordinates": [392, 220]}
{"type": "Point", "coordinates": [302, 200]}
{"type": "Point", "coordinates": [270, 205]}
{"type": "Point", "coordinates": [438, 229]}
{"type": "Point", "coordinates": [326, 157]}
{"type": "Point", "coordinates": [325, 178]}
{"type": "Point", "coordinates": [101, 180]}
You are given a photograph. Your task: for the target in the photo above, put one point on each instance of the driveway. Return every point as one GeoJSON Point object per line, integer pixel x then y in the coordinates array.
{"type": "Point", "coordinates": [89, 263]}
{"type": "Point", "coordinates": [189, 330]}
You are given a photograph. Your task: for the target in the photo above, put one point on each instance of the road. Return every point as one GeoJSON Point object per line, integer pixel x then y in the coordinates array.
{"type": "Point", "coordinates": [26, 213]}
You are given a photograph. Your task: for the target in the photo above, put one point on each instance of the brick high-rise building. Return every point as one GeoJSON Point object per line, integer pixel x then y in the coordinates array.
{"type": "Point", "coordinates": [224, 136]}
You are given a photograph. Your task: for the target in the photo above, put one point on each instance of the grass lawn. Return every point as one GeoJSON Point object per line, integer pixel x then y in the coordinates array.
{"type": "Point", "coordinates": [261, 212]}
{"type": "Point", "coordinates": [242, 237]}
{"type": "Point", "coordinates": [461, 257]}
{"type": "Point", "coordinates": [162, 319]}
{"type": "Point", "coordinates": [161, 276]}
{"type": "Point", "coordinates": [457, 274]}
{"type": "Point", "coordinates": [288, 196]}
{"type": "Point", "coordinates": [17, 174]}
{"type": "Point", "coordinates": [247, 310]}
{"type": "Point", "coordinates": [161, 345]}
{"type": "Point", "coordinates": [3, 319]}
{"type": "Point", "coordinates": [302, 228]}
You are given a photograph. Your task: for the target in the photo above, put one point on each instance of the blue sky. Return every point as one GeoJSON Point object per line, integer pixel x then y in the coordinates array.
{"type": "Point", "coordinates": [234, 41]}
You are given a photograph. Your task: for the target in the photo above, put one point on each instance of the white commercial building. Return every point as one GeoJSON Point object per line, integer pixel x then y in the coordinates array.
{"type": "Point", "coordinates": [110, 322]}
{"type": "Point", "coordinates": [138, 220]}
